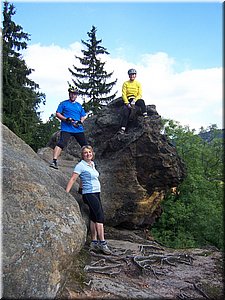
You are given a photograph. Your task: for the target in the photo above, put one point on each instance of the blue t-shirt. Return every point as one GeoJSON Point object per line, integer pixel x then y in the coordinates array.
{"type": "Point", "coordinates": [72, 110]}
{"type": "Point", "coordinates": [89, 177]}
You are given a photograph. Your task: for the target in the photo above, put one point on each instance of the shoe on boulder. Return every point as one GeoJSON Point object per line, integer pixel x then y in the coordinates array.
{"type": "Point", "coordinates": [54, 165]}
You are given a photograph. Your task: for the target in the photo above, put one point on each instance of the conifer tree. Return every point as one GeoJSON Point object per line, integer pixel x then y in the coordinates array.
{"type": "Point", "coordinates": [91, 79]}
{"type": "Point", "coordinates": [21, 99]}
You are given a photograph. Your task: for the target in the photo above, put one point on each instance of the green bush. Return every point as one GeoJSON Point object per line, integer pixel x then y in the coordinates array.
{"type": "Point", "coordinates": [193, 217]}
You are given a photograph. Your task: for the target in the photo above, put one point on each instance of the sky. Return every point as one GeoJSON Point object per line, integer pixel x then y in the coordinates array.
{"type": "Point", "coordinates": [176, 48]}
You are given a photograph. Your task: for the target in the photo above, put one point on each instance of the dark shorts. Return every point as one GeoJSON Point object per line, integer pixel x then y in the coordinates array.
{"type": "Point", "coordinates": [95, 207]}
{"type": "Point", "coordinates": [65, 136]}
{"type": "Point", "coordinates": [140, 108]}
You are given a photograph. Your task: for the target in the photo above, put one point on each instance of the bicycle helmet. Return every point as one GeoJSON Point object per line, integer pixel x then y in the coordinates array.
{"type": "Point", "coordinates": [72, 89]}
{"type": "Point", "coordinates": [132, 71]}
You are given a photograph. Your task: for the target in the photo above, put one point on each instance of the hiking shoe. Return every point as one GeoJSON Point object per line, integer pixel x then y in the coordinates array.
{"type": "Point", "coordinates": [54, 165]}
{"type": "Point", "coordinates": [121, 131]}
{"type": "Point", "coordinates": [104, 248]}
{"type": "Point", "coordinates": [145, 115]}
{"type": "Point", "coordinates": [94, 246]}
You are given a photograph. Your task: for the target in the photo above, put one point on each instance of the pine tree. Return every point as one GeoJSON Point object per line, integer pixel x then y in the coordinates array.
{"type": "Point", "coordinates": [20, 98]}
{"type": "Point", "coordinates": [91, 79]}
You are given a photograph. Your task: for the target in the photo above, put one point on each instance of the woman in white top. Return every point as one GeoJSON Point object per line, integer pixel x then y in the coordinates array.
{"type": "Point", "coordinates": [91, 189]}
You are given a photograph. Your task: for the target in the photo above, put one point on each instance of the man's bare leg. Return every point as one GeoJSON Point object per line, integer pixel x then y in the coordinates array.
{"type": "Point", "coordinates": [56, 153]}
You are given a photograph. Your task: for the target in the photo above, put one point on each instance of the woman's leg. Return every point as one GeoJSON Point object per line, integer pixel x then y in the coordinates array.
{"type": "Point", "coordinates": [125, 116]}
{"type": "Point", "coordinates": [96, 215]}
{"type": "Point", "coordinates": [93, 229]}
{"type": "Point", "coordinates": [100, 231]}
{"type": "Point", "coordinates": [140, 103]}
{"type": "Point", "coordinates": [96, 222]}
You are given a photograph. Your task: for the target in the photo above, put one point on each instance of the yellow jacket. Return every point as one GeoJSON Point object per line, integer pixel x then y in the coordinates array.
{"type": "Point", "coordinates": [131, 88]}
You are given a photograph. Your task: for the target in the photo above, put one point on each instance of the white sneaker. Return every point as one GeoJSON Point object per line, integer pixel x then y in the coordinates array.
{"type": "Point", "coordinates": [104, 248]}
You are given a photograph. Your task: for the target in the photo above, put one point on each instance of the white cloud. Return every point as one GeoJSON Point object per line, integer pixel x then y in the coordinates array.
{"type": "Point", "coordinates": [192, 97]}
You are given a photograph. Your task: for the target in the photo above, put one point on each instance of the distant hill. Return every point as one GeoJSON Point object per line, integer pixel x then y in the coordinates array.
{"type": "Point", "coordinates": [207, 136]}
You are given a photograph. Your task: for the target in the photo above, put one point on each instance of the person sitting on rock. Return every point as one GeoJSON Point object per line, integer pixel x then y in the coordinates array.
{"type": "Point", "coordinates": [132, 97]}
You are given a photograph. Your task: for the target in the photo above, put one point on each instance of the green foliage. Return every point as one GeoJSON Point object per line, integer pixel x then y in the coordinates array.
{"type": "Point", "coordinates": [21, 100]}
{"type": "Point", "coordinates": [91, 78]}
{"type": "Point", "coordinates": [44, 132]}
{"type": "Point", "coordinates": [193, 217]}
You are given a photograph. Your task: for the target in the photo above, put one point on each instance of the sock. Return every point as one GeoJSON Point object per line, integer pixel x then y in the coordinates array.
{"type": "Point", "coordinates": [94, 241]}
{"type": "Point", "coordinates": [145, 114]}
{"type": "Point", "coordinates": [54, 160]}
{"type": "Point", "coordinates": [123, 128]}
{"type": "Point", "coordinates": [103, 242]}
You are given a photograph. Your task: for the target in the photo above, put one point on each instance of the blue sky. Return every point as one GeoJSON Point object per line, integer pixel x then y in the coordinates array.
{"type": "Point", "coordinates": [179, 43]}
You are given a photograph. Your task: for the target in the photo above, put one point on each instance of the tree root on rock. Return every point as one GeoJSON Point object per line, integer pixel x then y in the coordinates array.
{"type": "Point", "coordinates": [140, 262]}
{"type": "Point", "coordinates": [184, 295]}
{"type": "Point", "coordinates": [144, 262]}
{"type": "Point", "coordinates": [103, 269]}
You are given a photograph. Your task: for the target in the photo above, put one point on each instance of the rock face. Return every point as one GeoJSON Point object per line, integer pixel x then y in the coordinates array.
{"type": "Point", "coordinates": [136, 169]}
{"type": "Point", "coordinates": [42, 225]}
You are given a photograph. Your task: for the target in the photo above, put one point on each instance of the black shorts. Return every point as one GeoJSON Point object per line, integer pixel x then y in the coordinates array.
{"type": "Point", "coordinates": [65, 136]}
{"type": "Point", "coordinates": [95, 207]}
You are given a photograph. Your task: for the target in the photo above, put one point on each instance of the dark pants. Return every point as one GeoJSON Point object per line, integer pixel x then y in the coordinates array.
{"type": "Point", "coordinates": [65, 136]}
{"type": "Point", "coordinates": [140, 104]}
{"type": "Point", "coordinates": [95, 207]}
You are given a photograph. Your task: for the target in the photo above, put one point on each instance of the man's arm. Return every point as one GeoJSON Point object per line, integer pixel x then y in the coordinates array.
{"type": "Point", "coordinates": [60, 116]}
{"type": "Point", "coordinates": [82, 119]}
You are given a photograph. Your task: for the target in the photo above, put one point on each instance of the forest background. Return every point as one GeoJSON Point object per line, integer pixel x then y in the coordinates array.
{"type": "Point", "coordinates": [194, 213]}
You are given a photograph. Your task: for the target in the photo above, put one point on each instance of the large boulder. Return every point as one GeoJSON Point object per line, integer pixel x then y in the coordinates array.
{"type": "Point", "coordinates": [136, 169]}
{"type": "Point", "coordinates": [43, 228]}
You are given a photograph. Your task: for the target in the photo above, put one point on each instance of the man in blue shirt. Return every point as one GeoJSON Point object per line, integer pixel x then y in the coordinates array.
{"type": "Point", "coordinates": [72, 116]}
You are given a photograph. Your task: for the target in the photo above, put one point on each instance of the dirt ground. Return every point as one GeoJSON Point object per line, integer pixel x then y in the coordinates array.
{"type": "Point", "coordinates": [140, 268]}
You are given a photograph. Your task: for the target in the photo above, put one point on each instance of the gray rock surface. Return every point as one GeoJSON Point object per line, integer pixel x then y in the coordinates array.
{"type": "Point", "coordinates": [45, 241]}
{"type": "Point", "coordinates": [136, 169]}
{"type": "Point", "coordinates": [167, 273]}
{"type": "Point", "coordinates": [42, 225]}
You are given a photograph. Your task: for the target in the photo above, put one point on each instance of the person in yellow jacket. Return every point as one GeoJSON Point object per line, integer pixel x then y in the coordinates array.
{"type": "Point", "coordinates": [132, 97]}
